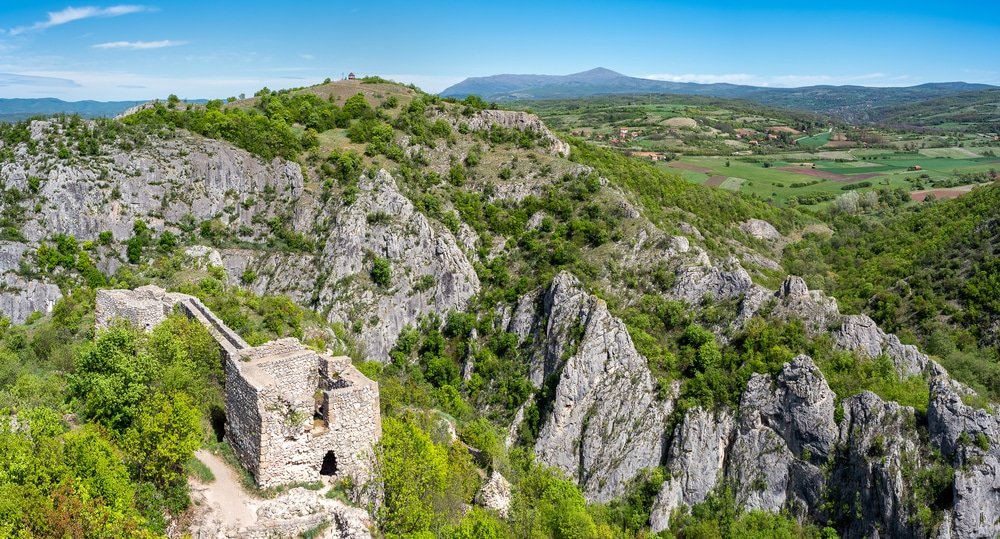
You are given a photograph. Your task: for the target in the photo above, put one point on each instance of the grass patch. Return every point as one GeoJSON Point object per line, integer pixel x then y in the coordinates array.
{"type": "Point", "coordinates": [315, 531]}
{"type": "Point", "coordinates": [200, 471]}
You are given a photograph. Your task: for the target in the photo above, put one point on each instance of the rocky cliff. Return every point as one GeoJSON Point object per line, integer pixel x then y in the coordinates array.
{"type": "Point", "coordinates": [605, 421]}
{"type": "Point", "coordinates": [183, 183]}
{"type": "Point", "coordinates": [791, 445]}
{"type": "Point", "coordinates": [861, 462]}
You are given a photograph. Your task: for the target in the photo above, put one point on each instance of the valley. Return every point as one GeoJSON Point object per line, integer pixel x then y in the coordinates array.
{"type": "Point", "coordinates": [783, 157]}
{"type": "Point", "coordinates": [556, 315]}
{"type": "Point", "coordinates": [311, 271]}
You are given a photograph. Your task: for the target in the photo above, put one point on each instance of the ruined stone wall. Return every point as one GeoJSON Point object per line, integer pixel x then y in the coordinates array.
{"type": "Point", "coordinates": [144, 307]}
{"type": "Point", "coordinates": [243, 418]}
{"type": "Point", "coordinates": [355, 422]}
{"type": "Point", "coordinates": [229, 341]}
{"type": "Point", "coordinates": [287, 403]}
{"type": "Point", "coordinates": [292, 444]}
{"type": "Point", "coordinates": [272, 348]}
{"type": "Point", "coordinates": [271, 394]}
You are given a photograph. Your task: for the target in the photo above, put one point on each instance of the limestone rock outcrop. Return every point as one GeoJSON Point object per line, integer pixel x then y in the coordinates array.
{"type": "Point", "coordinates": [19, 298]}
{"type": "Point", "coordinates": [760, 229]}
{"type": "Point", "coordinates": [970, 439]}
{"type": "Point", "coordinates": [521, 121]}
{"type": "Point", "coordinates": [605, 421]}
{"type": "Point", "coordinates": [861, 333]}
{"type": "Point", "coordinates": [430, 271]}
{"type": "Point", "coordinates": [185, 182]}
{"type": "Point", "coordinates": [495, 494]}
{"type": "Point", "coordinates": [878, 440]}
{"type": "Point", "coordinates": [767, 454]}
{"type": "Point", "coordinates": [697, 282]}
{"type": "Point", "coordinates": [696, 462]}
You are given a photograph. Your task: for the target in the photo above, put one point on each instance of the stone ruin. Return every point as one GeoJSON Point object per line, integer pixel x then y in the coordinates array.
{"type": "Point", "coordinates": [293, 415]}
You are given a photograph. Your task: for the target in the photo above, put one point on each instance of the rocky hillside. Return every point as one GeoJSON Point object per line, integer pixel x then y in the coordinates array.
{"type": "Point", "coordinates": [613, 320]}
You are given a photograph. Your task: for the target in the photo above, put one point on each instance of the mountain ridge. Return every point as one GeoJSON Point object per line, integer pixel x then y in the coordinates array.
{"type": "Point", "coordinates": [850, 102]}
{"type": "Point", "coordinates": [21, 108]}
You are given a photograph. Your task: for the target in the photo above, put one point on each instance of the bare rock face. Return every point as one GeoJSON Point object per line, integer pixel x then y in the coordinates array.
{"type": "Point", "coordinates": [767, 455]}
{"type": "Point", "coordinates": [970, 439]}
{"type": "Point", "coordinates": [877, 440]}
{"type": "Point", "coordinates": [522, 121]}
{"type": "Point", "coordinates": [19, 298]}
{"type": "Point", "coordinates": [495, 494]}
{"type": "Point", "coordinates": [173, 180]}
{"type": "Point", "coordinates": [781, 431]}
{"type": "Point", "coordinates": [800, 409]}
{"type": "Point", "coordinates": [762, 230]}
{"type": "Point", "coordinates": [694, 283]}
{"type": "Point", "coordinates": [696, 459]}
{"type": "Point", "coordinates": [862, 334]}
{"type": "Point", "coordinates": [416, 251]}
{"type": "Point", "coordinates": [794, 300]}
{"type": "Point", "coordinates": [160, 183]}
{"type": "Point", "coordinates": [188, 180]}
{"type": "Point", "coordinates": [429, 271]}
{"type": "Point", "coordinates": [605, 421]}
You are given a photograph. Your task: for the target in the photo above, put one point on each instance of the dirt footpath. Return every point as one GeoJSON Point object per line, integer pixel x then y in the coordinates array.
{"type": "Point", "coordinates": [229, 502]}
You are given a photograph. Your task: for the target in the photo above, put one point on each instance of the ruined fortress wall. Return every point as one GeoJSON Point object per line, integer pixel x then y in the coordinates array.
{"type": "Point", "coordinates": [144, 307]}
{"type": "Point", "coordinates": [271, 394]}
{"type": "Point", "coordinates": [243, 418]}
{"type": "Point", "coordinates": [355, 424]}
{"type": "Point", "coordinates": [229, 341]}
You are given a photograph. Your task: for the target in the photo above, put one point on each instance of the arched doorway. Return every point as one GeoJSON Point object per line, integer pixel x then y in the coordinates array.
{"type": "Point", "coordinates": [329, 466]}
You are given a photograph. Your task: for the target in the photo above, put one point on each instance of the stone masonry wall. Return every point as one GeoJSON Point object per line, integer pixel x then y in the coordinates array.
{"type": "Point", "coordinates": [273, 394]}
{"type": "Point", "coordinates": [243, 418]}
{"type": "Point", "coordinates": [144, 307]}
{"type": "Point", "coordinates": [355, 421]}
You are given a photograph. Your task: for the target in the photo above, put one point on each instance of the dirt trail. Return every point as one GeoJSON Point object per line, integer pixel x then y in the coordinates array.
{"type": "Point", "coordinates": [233, 505]}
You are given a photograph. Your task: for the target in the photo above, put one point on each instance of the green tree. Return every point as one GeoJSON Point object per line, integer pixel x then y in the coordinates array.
{"type": "Point", "coordinates": [357, 107]}
{"type": "Point", "coordinates": [480, 524]}
{"type": "Point", "coordinates": [164, 438]}
{"type": "Point", "coordinates": [411, 471]}
{"type": "Point", "coordinates": [112, 376]}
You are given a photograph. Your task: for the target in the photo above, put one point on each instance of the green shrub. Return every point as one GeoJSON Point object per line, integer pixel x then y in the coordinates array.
{"type": "Point", "coordinates": [381, 272]}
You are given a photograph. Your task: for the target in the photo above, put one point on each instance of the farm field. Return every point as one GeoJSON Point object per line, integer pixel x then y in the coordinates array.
{"type": "Point", "coordinates": [817, 181]}
{"type": "Point", "coordinates": [784, 157]}
{"type": "Point", "coordinates": [814, 141]}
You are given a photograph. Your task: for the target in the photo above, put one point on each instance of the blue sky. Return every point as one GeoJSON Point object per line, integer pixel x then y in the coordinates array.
{"type": "Point", "coordinates": [215, 49]}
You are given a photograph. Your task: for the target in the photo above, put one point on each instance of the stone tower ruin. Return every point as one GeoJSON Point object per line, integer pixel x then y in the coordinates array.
{"type": "Point", "coordinates": [293, 415]}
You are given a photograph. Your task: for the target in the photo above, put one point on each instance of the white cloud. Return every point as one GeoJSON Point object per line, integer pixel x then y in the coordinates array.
{"type": "Point", "coordinates": [18, 79]}
{"type": "Point", "coordinates": [70, 14]}
{"type": "Point", "coordinates": [139, 45]}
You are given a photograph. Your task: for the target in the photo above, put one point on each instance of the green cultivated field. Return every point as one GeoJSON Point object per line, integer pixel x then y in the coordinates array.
{"type": "Point", "coordinates": [893, 170]}
{"type": "Point", "coordinates": [814, 141]}
{"type": "Point", "coordinates": [829, 158]}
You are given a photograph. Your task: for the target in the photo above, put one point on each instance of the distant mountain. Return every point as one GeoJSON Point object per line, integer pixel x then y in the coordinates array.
{"type": "Point", "coordinates": [587, 83]}
{"type": "Point", "coordinates": [12, 110]}
{"type": "Point", "coordinates": [847, 102]}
